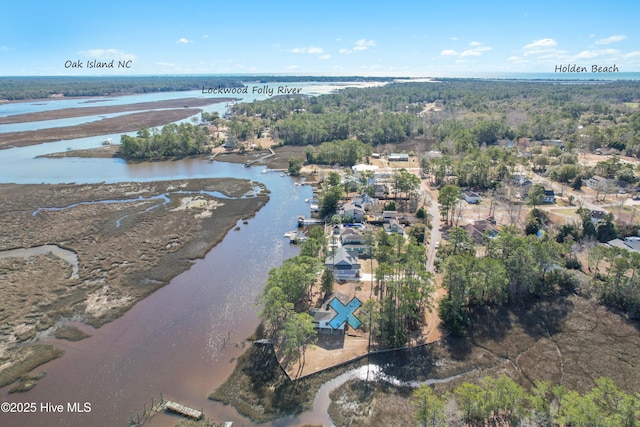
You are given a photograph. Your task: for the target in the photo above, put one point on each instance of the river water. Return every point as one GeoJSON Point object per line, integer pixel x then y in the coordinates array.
{"type": "Point", "coordinates": [180, 341]}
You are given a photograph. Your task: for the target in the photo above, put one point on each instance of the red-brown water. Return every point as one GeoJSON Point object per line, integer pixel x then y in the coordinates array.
{"type": "Point", "coordinates": [180, 341]}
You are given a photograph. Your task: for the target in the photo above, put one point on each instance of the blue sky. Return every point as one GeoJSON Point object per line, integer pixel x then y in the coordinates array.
{"type": "Point", "coordinates": [427, 38]}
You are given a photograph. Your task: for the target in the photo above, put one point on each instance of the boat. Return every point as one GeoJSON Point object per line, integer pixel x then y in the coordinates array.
{"type": "Point", "coordinates": [297, 237]}
{"type": "Point", "coordinates": [264, 170]}
{"type": "Point", "coordinates": [106, 141]}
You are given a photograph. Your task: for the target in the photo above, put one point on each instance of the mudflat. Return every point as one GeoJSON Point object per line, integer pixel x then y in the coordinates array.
{"type": "Point", "coordinates": [66, 113]}
{"type": "Point", "coordinates": [172, 110]}
{"type": "Point", "coordinates": [129, 238]}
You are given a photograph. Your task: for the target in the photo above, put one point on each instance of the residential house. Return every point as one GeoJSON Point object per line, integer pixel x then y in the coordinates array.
{"type": "Point", "coordinates": [477, 230]}
{"type": "Point", "coordinates": [631, 243]}
{"type": "Point", "coordinates": [549, 196]}
{"type": "Point", "coordinates": [343, 265]}
{"type": "Point", "coordinates": [523, 185]}
{"type": "Point", "coordinates": [380, 190]}
{"type": "Point", "coordinates": [393, 226]}
{"type": "Point", "coordinates": [364, 201]}
{"type": "Point", "coordinates": [356, 213]}
{"type": "Point", "coordinates": [398, 157]}
{"type": "Point", "coordinates": [521, 179]}
{"type": "Point", "coordinates": [606, 185]}
{"type": "Point", "coordinates": [323, 315]}
{"type": "Point", "coordinates": [362, 168]}
{"type": "Point", "coordinates": [597, 216]}
{"type": "Point", "coordinates": [470, 196]}
{"type": "Point", "coordinates": [596, 182]}
{"type": "Point", "coordinates": [352, 240]}
{"type": "Point", "coordinates": [389, 215]}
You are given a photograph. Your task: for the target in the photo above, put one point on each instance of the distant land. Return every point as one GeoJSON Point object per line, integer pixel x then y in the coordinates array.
{"type": "Point", "coordinates": [26, 88]}
{"type": "Point", "coordinates": [40, 87]}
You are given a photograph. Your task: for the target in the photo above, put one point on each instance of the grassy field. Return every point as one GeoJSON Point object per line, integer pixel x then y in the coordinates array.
{"type": "Point", "coordinates": [564, 340]}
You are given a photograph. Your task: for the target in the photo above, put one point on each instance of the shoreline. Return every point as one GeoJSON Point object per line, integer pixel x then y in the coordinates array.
{"type": "Point", "coordinates": [278, 162]}
{"type": "Point", "coordinates": [121, 124]}
{"type": "Point", "coordinates": [67, 113]}
{"type": "Point", "coordinates": [161, 113]}
{"type": "Point", "coordinates": [119, 264]}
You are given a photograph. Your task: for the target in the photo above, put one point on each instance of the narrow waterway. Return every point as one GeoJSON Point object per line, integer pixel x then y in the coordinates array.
{"type": "Point", "coordinates": [66, 255]}
{"type": "Point", "coordinates": [182, 340]}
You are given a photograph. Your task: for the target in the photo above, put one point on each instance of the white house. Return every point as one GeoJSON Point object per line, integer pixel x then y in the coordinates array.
{"type": "Point", "coordinates": [471, 197]}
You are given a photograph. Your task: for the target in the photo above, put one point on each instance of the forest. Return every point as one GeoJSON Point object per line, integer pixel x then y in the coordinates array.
{"type": "Point", "coordinates": [22, 88]}
{"type": "Point", "coordinates": [174, 140]}
{"type": "Point", "coordinates": [461, 114]}
{"type": "Point", "coordinates": [501, 401]}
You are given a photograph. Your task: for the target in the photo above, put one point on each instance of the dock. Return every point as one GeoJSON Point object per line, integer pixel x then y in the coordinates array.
{"type": "Point", "coordinates": [252, 162]}
{"type": "Point", "coordinates": [185, 411]}
{"type": "Point", "coordinates": [302, 221]}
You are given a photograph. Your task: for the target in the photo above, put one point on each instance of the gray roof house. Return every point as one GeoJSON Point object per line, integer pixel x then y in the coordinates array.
{"type": "Point", "coordinates": [343, 265]}
{"type": "Point", "coordinates": [323, 315]}
{"type": "Point", "coordinates": [352, 240]}
{"type": "Point", "coordinates": [471, 196]}
{"type": "Point", "coordinates": [356, 213]}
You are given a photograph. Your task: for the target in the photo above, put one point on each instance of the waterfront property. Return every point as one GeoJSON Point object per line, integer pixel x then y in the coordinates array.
{"type": "Point", "coordinates": [343, 265]}
{"type": "Point", "coordinates": [322, 316]}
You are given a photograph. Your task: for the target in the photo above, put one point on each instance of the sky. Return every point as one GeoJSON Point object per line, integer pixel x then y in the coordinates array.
{"type": "Point", "coordinates": [418, 38]}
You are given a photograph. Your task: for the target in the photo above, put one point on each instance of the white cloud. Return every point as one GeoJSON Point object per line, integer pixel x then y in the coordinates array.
{"type": "Point", "coordinates": [544, 49]}
{"type": "Point", "coordinates": [293, 67]}
{"type": "Point", "coordinates": [449, 52]}
{"type": "Point", "coordinates": [327, 56]}
{"type": "Point", "coordinates": [4, 48]}
{"type": "Point", "coordinates": [311, 50]}
{"type": "Point", "coordinates": [612, 39]}
{"type": "Point", "coordinates": [541, 44]}
{"type": "Point", "coordinates": [182, 40]}
{"type": "Point", "coordinates": [633, 54]}
{"type": "Point", "coordinates": [587, 54]}
{"type": "Point", "coordinates": [108, 54]}
{"type": "Point", "coordinates": [454, 39]}
{"type": "Point", "coordinates": [470, 52]}
{"type": "Point", "coordinates": [362, 44]}
{"type": "Point", "coordinates": [478, 49]}
{"type": "Point", "coordinates": [517, 60]}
